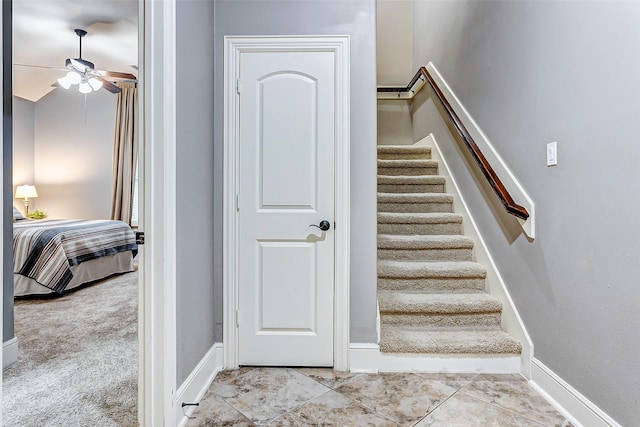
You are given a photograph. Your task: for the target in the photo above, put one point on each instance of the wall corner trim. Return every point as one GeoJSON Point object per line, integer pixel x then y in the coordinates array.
{"type": "Point", "coordinates": [566, 399]}
{"type": "Point", "coordinates": [9, 352]}
{"type": "Point", "coordinates": [197, 383]}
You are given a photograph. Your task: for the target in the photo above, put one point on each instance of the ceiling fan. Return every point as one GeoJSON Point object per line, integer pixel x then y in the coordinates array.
{"type": "Point", "coordinates": [84, 74]}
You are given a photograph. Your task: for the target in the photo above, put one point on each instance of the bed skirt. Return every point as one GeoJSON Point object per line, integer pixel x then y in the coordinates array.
{"type": "Point", "coordinates": [85, 272]}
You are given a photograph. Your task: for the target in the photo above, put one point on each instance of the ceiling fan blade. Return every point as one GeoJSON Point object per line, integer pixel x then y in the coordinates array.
{"type": "Point", "coordinates": [40, 66]}
{"type": "Point", "coordinates": [118, 75]}
{"type": "Point", "coordinates": [109, 86]}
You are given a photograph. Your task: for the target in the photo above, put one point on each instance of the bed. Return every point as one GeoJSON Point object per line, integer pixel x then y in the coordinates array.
{"type": "Point", "coordinates": [55, 256]}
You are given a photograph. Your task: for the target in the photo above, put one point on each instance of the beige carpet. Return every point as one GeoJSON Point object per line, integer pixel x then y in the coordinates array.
{"type": "Point", "coordinates": [430, 292]}
{"type": "Point", "coordinates": [78, 361]}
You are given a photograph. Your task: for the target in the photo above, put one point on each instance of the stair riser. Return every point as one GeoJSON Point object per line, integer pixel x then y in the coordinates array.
{"type": "Point", "coordinates": [462, 254]}
{"type": "Point", "coordinates": [476, 320]}
{"type": "Point", "coordinates": [446, 228]}
{"type": "Point", "coordinates": [404, 156]}
{"type": "Point", "coordinates": [408, 171]}
{"type": "Point", "coordinates": [416, 207]}
{"type": "Point", "coordinates": [431, 284]}
{"type": "Point", "coordinates": [407, 188]}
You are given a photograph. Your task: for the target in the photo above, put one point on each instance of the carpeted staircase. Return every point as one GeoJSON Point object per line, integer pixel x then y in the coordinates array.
{"type": "Point", "coordinates": [430, 292]}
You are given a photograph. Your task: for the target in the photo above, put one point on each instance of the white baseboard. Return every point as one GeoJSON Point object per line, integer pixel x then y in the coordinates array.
{"type": "Point", "coordinates": [566, 399]}
{"type": "Point", "coordinates": [368, 358]}
{"type": "Point", "coordinates": [363, 357]}
{"type": "Point", "coordinates": [196, 385]}
{"type": "Point", "coordinates": [9, 352]}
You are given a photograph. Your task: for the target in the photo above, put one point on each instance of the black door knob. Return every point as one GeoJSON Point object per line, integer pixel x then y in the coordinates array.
{"type": "Point", "coordinates": [324, 225]}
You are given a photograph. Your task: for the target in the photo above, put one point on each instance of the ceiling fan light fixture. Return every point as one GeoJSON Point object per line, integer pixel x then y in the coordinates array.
{"type": "Point", "coordinates": [74, 78]}
{"type": "Point", "coordinates": [96, 84]}
{"type": "Point", "coordinates": [85, 87]}
{"type": "Point", "coordinates": [64, 82]}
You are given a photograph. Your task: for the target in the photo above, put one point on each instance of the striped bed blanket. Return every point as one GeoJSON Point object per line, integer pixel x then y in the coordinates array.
{"type": "Point", "coordinates": [46, 250]}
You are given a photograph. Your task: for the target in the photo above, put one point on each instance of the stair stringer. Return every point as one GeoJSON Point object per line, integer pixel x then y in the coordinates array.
{"type": "Point", "coordinates": [511, 321]}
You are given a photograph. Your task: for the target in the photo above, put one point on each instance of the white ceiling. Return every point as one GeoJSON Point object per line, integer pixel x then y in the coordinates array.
{"type": "Point", "coordinates": [43, 36]}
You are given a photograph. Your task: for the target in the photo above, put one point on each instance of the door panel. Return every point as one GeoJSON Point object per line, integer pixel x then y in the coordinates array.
{"type": "Point", "coordinates": [293, 131]}
{"type": "Point", "coordinates": [286, 268]}
{"type": "Point", "coordinates": [278, 278]}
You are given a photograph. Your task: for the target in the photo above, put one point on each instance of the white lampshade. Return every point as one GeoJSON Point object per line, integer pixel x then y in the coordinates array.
{"type": "Point", "coordinates": [95, 83]}
{"type": "Point", "coordinates": [85, 87]}
{"type": "Point", "coordinates": [26, 191]}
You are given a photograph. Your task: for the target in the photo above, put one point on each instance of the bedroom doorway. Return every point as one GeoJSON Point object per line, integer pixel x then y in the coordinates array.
{"type": "Point", "coordinates": [157, 289]}
{"type": "Point", "coordinates": [63, 142]}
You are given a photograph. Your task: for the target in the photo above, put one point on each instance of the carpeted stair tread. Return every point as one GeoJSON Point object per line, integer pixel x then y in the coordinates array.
{"type": "Point", "coordinates": [411, 184]}
{"type": "Point", "coordinates": [418, 218]}
{"type": "Point", "coordinates": [404, 149]}
{"type": "Point", "coordinates": [407, 163]}
{"type": "Point", "coordinates": [390, 152]}
{"type": "Point", "coordinates": [415, 202]}
{"type": "Point", "coordinates": [415, 198]}
{"type": "Point", "coordinates": [405, 339]}
{"type": "Point", "coordinates": [427, 303]}
{"type": "Point", "coordinates": [426, 223]}
{"type": "Point", "coordinates": [407, 167]}
{"type": "Point", "coordinates": [417, 241]}
{"type": "Point", "coordinates": [440, 269]}
{"type": "Point", "coordinates": [411, 179]}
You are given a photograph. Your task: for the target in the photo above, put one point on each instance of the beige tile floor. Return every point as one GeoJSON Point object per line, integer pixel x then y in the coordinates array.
{"type": "Point", "coordinates": [322, 397]}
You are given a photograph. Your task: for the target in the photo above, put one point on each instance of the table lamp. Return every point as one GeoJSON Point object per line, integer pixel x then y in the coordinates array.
{"type": "Point", "coordinates": [26, 192]}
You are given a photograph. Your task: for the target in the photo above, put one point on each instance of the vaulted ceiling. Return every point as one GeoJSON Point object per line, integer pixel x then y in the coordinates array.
{"type": "Point", "coordinates": [43, 38]}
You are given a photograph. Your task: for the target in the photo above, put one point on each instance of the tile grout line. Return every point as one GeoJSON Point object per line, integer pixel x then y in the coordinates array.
{"type": "Point", "coordinates": [369, 408]}
{"type": "Point", "coordinates": [256, 422]}
{"type": "Point", "coordinates": [355, 401]}
{"type": "Point", "coordinates": [329, 389]}
{"type": "Point", "coordinates": [296, 407]}
{"type": "Point", "coordinates": [440, 404]}
{"type": "Point", "coordinates": [503, 408]}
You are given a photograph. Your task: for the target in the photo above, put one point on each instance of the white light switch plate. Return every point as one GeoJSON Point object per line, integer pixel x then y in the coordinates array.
{"type": "Point", "coordinates": [552, 154]}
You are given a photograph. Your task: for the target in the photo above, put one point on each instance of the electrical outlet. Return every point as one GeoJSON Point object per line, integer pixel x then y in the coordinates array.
{"type": "Point", "coordinates": [552, 153]}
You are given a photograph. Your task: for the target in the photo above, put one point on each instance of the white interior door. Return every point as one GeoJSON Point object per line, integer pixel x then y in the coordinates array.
{"type": "Point", "coordinates": [286, 183]}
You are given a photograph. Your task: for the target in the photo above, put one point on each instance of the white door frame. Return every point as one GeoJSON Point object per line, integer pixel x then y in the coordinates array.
{"type": "Point", "coordinates": [340, 46]}
{"type": "Point", "coordinates": [2, 225]}
{"type": "Point", "coordinates": [157, 311]}
{"type": "Point", "coordinates": [157, 375]}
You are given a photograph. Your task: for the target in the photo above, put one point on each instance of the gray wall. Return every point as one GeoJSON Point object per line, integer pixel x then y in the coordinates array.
{"type": "Point", "coordinates": [533, 72]}
{"type": "Point", "coordinates": [195, 175]}
{"type": "Point", "coordinates": [23, 143]}
{"type": "Point", "coordinates": [353, 17]}
{"type": "Point", "coordinates": [73, 153]}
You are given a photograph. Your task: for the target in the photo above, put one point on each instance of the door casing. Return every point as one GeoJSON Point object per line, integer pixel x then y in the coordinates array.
{"type": "Point", "coordinates": [157, 317]}
{"type": "Point", "coordinates": [340, 47]}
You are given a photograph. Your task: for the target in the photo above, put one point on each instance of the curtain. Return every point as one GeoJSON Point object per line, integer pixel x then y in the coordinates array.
{"type": "Point", "coordinates": [125, 152]}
